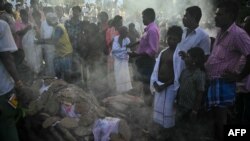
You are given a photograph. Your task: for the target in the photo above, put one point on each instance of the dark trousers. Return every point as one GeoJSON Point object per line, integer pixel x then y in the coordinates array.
{"type": "Point", "coordinates": [243, 108]}
{"type": "Point", "coordinates": [145, 65]}
{"type": "Point", "coordinates": [8, 131]}
{"type": "Point", "coordinates": [218, 117]}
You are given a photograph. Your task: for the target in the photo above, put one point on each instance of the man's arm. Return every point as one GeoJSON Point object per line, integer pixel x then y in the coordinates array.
{"type": "Point", "coordinates": [242, 41]}
{"type": "Point", "coordinates": [153, 41]}
{"type": "Point", "coordinates": [24, 31]}
{"type": "Point", "coordinates": [205, 44]}
{"type": "Point", "coordinates": [57, 35]}
{"type": "Point", "coordinates": [130, 45]}
{"type": "Point", "coordinates": [8, 62]}
{"type": "Point", "coordinates": [246, 70]}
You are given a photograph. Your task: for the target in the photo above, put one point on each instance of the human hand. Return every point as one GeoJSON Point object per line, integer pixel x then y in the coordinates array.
{"type": "Point", "coordinates": [230, 76]}
{"type": "Point", "coordinates": [25, 96]}
{"type": "Point", "coordinates": [182, 54]}
{"type": "Point", "coordinates": [130, 45]}
{"type": "Point", "coordinates": [29, 27]}
{"type": "Point", "coordinates": [39, 41]}
{"type": "Point", "coordinates": [132, 54]}
{"type": "Point", "coordinates": [157, 87]}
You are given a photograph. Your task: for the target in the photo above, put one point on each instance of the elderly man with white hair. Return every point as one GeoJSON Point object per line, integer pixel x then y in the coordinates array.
{"type": "Point", "coordinates": [63, 47]}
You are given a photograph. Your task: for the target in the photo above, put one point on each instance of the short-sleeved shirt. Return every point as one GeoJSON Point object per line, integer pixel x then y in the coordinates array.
{"type": "Point", "coordinates": [190, 83]}
{"type": "Point", "coordinates": [197, 38]}
{"type": "Point", "coordinates": [118, 51]}
{"type": "Point", "coordinates": [110, 34]}
{"type": "Point", "coordinates": [227, 51]}
{"type": "Point", "coordinates": [7, 43]}
{"type": "Point", "coordinates": [46, 30]}
{"type": "Point", "coordinates": [9, 19]}
{"type": "Point", "coordinates": [63, 46]}
{"type": "Point", "coordinates": [149, 43]}
{"type": "Point", "coordinates": [74, 30]}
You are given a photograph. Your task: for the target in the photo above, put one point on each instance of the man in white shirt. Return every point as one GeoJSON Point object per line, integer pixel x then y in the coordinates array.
{"type": "Point", "coordinates": [48, 49]}
{"type": "Point", "coordinates": [8, 81]}
{"type": "Point", "coordinates": [193, 36]}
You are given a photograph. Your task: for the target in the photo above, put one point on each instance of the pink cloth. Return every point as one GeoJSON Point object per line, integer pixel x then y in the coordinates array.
{"type": "Point", "coordinates": [149, 43]}
{"type": "Point", "coordinates": [227, 51]}
{"type": "Point", "coordinates": [19, 25]}
{"type": "Point", "coordinates": [110, 34]}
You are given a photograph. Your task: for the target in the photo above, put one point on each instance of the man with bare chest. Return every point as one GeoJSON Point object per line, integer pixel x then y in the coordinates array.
{"type": "Point", "coordinates": [162, 81]}
{"type": "Point", "coordinates": [166, 71]}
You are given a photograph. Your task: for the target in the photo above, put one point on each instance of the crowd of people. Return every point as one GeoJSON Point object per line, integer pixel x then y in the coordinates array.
{"type": "Point", "coordinates": [187, 77]}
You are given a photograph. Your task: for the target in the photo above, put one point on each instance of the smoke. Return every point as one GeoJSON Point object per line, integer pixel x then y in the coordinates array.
{"type": "Point", "coordinates": [172, 11]}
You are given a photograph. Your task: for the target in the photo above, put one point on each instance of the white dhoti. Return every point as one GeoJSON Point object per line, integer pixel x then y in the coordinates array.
{"type": "Point", "coordinates": [164, 111]}
{"type": "Point", "coordinates": [122, 76]}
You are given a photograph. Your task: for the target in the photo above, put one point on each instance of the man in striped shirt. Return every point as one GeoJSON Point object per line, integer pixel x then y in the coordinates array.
{"type": "Point", "coordinates": [230, 44]}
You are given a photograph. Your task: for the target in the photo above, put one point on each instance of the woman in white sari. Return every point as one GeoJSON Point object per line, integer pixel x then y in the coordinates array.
{"type": "Point", "coordinates": [120, 55]}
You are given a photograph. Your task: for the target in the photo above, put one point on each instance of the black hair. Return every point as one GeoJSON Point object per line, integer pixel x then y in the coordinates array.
{"type": "Point", "coordinates": [230, 8]}
{"type": "Point", "coordinates": [116, 19]}
{"type": "Point", "coordinates": [23, 12]}
{"type": "Point", "coordinates": [48, 10]}
{"type": "Point", "coordinates": [7, 4]}
{"type": "Point", "coordinates": [150, 13]}
{"type": "Point", "coordinates": [131, 25]}
{"type": "Point", "coordinates": [8, 7]}
{"type": "Point", "coordinates": [122, 29]}
{"type": "Point", "coordinates": [175, 30]}
{"type": "Point", "coordinates": [198, 56]}
{"type": "Point", "coordinates": [32, 2]}
{"type": "Point", "coordinates": [104, 15]}
{"type": "Point", "coordinates": [195, 11]}
{"type": "Point", "coordinates": [78, 8]}
{"type": "Point", "coordinates": [110, 22]}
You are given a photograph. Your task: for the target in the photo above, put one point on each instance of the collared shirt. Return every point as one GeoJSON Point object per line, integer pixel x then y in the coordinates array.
{"type": "Point", "coordinates": [227, 51]}
{"type": "Point", "coordinates": [74, 30]}
{"type": "Point", "coordinates": [6, 44]}
{"type": "Point", "coordinates": [149, 43]}
{"type": "Point", "coordinates": [196, 38]}
{"type": "Point", "coordinates": [191, 82]}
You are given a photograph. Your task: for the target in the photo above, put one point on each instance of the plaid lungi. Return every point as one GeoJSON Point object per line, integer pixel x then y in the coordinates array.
{"type": "Point", "coordinates": [221, 93]}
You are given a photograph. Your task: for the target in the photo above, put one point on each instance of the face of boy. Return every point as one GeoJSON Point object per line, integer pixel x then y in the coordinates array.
{"type": "Point", "coordinates": [188, 60]}
{"type": "Point", "coordinates": [124, 33]}
{"type": "Point", "coordinates": [172, 41]}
